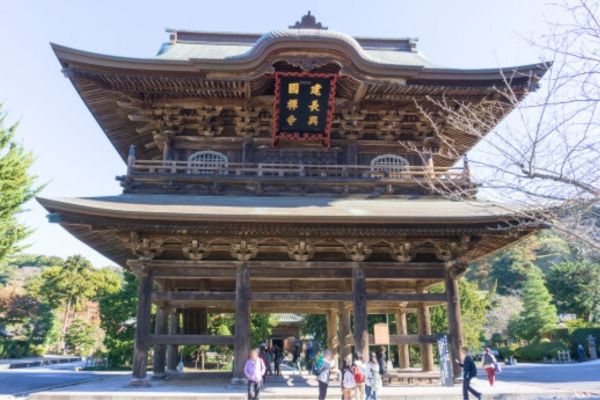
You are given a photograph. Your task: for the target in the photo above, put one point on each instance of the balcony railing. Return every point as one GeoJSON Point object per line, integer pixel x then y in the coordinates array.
{"type": "Point", "coordinates": [218, 171]}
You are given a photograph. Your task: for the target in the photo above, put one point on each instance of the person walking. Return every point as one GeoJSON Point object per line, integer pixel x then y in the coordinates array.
{"type": "Point", "coordinates": [469, 372]}
{"type": "Point", "coordinates": [269, 361]}
{"type": "Point", "coordinates": [382, 360]}
{"type": "Point", "coordinates": [263, 356]}
{"type": "Point", "coordinates": [580, 353]}
{"type": "Point", "coordinates": [373, 381]}
{"type": "Point", "coordinates": [489, 365]}
{"type": "Point", "coordinates": [277, 358]}
{"type": "Point", "coordinates": [254, 371]}
{"type": "Point", "coordinates": [347, 382]}
{"type": "Point", "coordinates": [324, 373]}
{"type": "Point", "coordinates": [359, 371]}
{"type": "Point", "coordinates": [296, 358]}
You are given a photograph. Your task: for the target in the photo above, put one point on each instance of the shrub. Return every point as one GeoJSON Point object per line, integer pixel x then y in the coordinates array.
{"type": "Point", "coordinates": [506, 352]}
{"type": "Point", "coordinates": [539, 350]}
{"type": "Point", "coordinates": [10, 348]}
{"type": "Point", "coordinates": [37, 350]}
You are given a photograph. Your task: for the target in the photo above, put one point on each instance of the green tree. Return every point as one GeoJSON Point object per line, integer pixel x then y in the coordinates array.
{"type": "Point", "coordinates": [511, 267]}
{"type": "Point", "coordinates": [17, 186]}
{"type": "Point", "coordinates": [315, 325]}
{"type": "Point", "coordinates": [118, 311]}
{"type": "Point", "coordinates": [67, 286]}
{"type": "Point", "coordinates": [575, 287]}
{"type": "Point", "coordinates": [80, 337]}
{"type": "Point", "coordinates": [539, 315]}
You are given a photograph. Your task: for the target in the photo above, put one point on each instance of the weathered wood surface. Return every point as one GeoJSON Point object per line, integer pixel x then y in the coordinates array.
{"type": "Point", "coordinates": [142, 331]}
{"type": "Point", "coordinates": [361, 327]}
{"type": "Point", "coordinates": [172, 359]}
{"type": "Point", "coordinates": [454, 316]}
{"type": "Point", "coordinates": [187, 340]}
{"type": "Point", "coordinates": [406, 340]}
{"type": "Point", "coordinates": [403, 351]}
{"type": "Point", "coordinates": [199, 296]}
{"type": "Point", "coordinates": [242, 324]}
{"type": "Point", "coordinates": [424, 322]}
{"type": "Point", "coordinates": [345, 334]}
{"type": "Point", "coordinates": [160, 349]}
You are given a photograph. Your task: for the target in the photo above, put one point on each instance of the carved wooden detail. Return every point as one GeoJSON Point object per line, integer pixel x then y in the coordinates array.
{"type": "Point", "coordinates": [194, 249]}
{"type": "Point", "coordinates": [251, 122]}
{"type": "Point", "coordinates": [352, 124]}
{"type": "Point", "coordinates": [244, 250]}
{"type": "Point", "coordinates": [403, 250]}
{"type": "Point", "coordinates": [452, 250]}
{"type": "Point", "coordinates": [308, 21]}
{"type": "Point", "coordinates": [357, 251]}
{"type": "Point", "coordinates": [145, 248]}
{"type": "Point", "coordinates": [301, 250]}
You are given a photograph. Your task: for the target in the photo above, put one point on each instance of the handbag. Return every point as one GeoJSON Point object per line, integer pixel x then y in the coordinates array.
{"type": "Point", "coordinates": [497, 367]}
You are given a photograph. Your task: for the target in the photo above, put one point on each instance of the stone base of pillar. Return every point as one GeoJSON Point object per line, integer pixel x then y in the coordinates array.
{"type": "Point", "coordinates": [239, 381]}
{"type": "Point", "coordinates": [158, 377]}
{"type": "Point", "coordinates": [141, 383]}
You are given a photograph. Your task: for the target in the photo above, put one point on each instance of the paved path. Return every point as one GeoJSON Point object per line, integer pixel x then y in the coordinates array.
{"type": "Point", "coordinates": [26, 380]}
{"type": "Point", "coordinates": [583, 377]}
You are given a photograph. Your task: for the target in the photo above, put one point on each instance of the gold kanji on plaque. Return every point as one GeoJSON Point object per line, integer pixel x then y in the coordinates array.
{"type": "Point", "coordinates": [313, 120]}
{"type": "Point", "coordinates": [314, 106]}
{"type": "Point", "coordinates": [294, 88]}
{"type": "Point", "coordinates": [292, 104]}
{"type": "Point", "coordinates": [315, 89]}
{"type": "Point", "coordinates": [291, 119]}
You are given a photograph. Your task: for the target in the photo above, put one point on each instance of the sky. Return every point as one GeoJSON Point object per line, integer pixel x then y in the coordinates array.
{"type": "Point", "coordinates": [74, 157]}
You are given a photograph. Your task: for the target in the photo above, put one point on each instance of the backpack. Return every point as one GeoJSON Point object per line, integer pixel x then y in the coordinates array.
{"type": "Point", "coordinates": [377, 381]}
{"type": "Point", "coordinates": [348, 381]}
{"type": "Point", "coordinates": [359, 377]}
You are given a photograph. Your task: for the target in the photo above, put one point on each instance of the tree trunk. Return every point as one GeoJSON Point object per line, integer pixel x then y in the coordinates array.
{"type": "Point", "coordinates": [63, 333]}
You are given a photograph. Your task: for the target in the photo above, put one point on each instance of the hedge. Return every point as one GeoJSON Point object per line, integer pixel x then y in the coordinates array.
{"type": "Point", "coordinates": [539, 350]}
{"type": "Point", "coordinates": [573, 337]}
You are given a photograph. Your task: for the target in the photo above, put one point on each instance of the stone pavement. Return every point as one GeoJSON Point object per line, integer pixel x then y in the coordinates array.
{"type": "Point", "coordinates": [215, 385]}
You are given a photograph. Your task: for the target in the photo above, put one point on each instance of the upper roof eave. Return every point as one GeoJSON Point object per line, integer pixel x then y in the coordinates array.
{"type": "Point", "coordinates": [97, 62]}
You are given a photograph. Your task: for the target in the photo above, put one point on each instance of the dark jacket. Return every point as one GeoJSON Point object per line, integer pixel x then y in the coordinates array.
{"type": "Point", "coordinates": [469, 367]}
{"type": "Point", "coordinates": [381, 359]}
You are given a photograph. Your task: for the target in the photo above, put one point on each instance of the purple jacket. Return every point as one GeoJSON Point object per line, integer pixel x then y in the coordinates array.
{"type": "Point", "coordinates": [254, 370]}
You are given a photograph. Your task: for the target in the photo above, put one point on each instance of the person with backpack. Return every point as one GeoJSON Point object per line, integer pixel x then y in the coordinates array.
{"type": "Point", "coordinates": [489, 365]}
{"type": "Point", "coordinates": [358, 369]}
{"type": "Point", "coordinates": [469, 372]}
{"type": "Point", "coordinates": [327, 363]}
{"type": "Point", "coordinates": [348, 383]}
{"type": "Point", "coordinates": [373, 381]}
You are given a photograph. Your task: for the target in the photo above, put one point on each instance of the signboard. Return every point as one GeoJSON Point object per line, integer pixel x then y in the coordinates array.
{"type": "Point", "coordinates": [303, 107]}
{"type": "Point", "coordinates": [381, 333]}
{"type": "Point", "coordinates": [447, 377]}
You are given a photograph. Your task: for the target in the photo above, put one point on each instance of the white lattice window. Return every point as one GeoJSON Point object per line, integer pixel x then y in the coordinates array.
{"type": "Point", "coordinates": [204, 162]}
{"type": "Point", "coordinates": [393, 164]}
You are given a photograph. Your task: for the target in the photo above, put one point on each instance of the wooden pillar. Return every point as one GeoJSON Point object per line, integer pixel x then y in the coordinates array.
{"type": "Point", "coordinates": [332, 333]}
{"type": "Point", "coordinates": [344, 328]}
{"type": "Point", "coordinates": [425, 329]}
{"type": "Point", "coordinates": [172, 359]}
{"type": "Point", "coordinates": [454, 317]}
{"type": "Point", "coordinates": [361, 328]}
{"type": "Point", "coordinates": [160, 350]}
{"type": "Point", "coordinates": [242, 325]}
{"type": "Point", "coordinates": [402, 329]}
{"type": "Point", "coordinates": [142, 330]}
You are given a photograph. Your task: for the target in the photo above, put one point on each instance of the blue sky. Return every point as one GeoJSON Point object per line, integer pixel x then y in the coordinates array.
{"type": "Point", "coordinates": [76, 159]}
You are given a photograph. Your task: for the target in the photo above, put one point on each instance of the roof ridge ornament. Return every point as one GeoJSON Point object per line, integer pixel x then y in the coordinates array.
{"type": "Point", "coordinates": [308, 21]}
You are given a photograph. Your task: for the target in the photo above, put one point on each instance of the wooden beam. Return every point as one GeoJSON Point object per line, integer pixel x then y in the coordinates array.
{"type": "Point", "coordinates": [414, 297]}
{"type": "Point", "coordinates": [403, 350]}
{"type": "Point", "coordinates": [142, 331]}
{"type": "Point", "coordinates": [287, 264]}
{"type": "Point", "coordinates": [454, 315]}
{"type": "Point", "coordinates": [412, 339]}
{"type": "Point", "coordinates": [198, 296]}
{"type": "Point", "coordinates": [301, 296]}
{"type": "Point", "coordinates": [161, 326]}
{"type": "Point", "coordinates": [361, 327]}
{"type": "Point", "coordinates": [172, 359]}
{"type": "Point", "coordinates": [242, 324]}
{"type": "Point", "coordinates": [185, 340]}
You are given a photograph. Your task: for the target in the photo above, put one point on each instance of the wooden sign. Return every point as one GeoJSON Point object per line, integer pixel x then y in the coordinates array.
{"type": "Point", "coordinates": [303, 107]}
{"type": "Point", "coordinates": [445, 360]}
{"type": "Point", "coordinates": [382, 333]}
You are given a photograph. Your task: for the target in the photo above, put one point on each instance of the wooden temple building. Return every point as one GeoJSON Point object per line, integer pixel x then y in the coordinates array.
{"type": "Point", "coordinates": [269, 173]}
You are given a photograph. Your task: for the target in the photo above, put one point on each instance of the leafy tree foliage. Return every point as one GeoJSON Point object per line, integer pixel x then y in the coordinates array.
{"type": "Point", "coordinates": [17, 186]}
{"type": "Point", "coordinates": [576, 287]}
{"type": "Point", "coordinates": [117, 318]}
{"type": "Point", "coordinates": [315, 325]}
{"type": "Point", "coordinates": [80, 337]}
{"type": "Point", "coordinates": [539, 315]}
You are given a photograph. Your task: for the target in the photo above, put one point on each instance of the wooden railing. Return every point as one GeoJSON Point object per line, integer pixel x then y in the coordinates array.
{"type": "Point", "coordinates": [217, 171]}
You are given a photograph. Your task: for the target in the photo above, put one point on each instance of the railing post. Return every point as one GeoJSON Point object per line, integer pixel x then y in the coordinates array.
{"type": "Point", "coordinates": [130, 159]}
{"type": "Point", "coordinates": [260, 170]}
